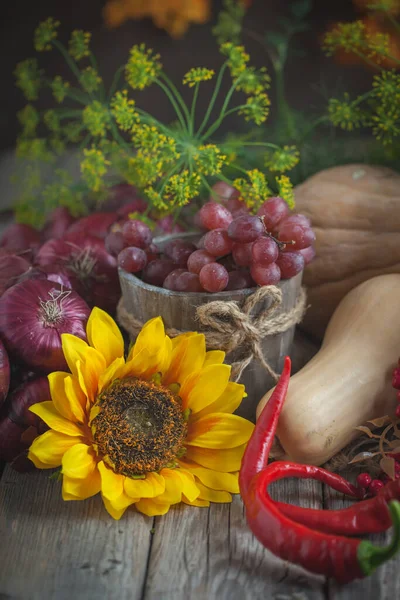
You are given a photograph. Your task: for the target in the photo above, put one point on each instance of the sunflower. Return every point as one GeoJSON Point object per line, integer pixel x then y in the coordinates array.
{"type": "Point", "coordinates": [151, 431]}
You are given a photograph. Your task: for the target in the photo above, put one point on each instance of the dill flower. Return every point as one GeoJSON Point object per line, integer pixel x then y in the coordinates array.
{"type": "Point", "coordinates": [253, 81]}
{"type": "Point", "coordinates": [90, 80]}
{"type": "Point", "coordinates": [237, 58]}
{"type": "Point", "coordinates": [52, 121]}
{"type": "Point", "coordinates": [57, 145]}
{"type": "Point", "coordinates": [142, 68]}
{"type": "Point", "coordinates": [183, 187]}
{"type": "Point", "coordinates": [282, 159]}
{"type": "Point", "coordinates": [386, 86]}
{"type": "Point", "coordinates": [145, 168]}
{"type": "Point", "coordinates": [156, 199]}
{"type": "Point", "coordinates": [209, 159]}
{"type": "Point", "coordinates": [59, 88]}
{"type": "Point", "coordinates": [29, 119]}
{"type": "Point", "coordinates": [256, 108]}
{"type": "Point", "coordinates": [345, 113]}
{"type": "Point", "coordinates": [254, 190]}
{"type": "Point", "coordinates": [28, 78]}
{"type": "Point", "coordinates": [229, 23]}
{"type": "Point", "coordinates": [123, 110]}
{"type": "Point", "coordinates": [378, 45]}
{"type": "Point", "coordinates": [33, 149]}
{"type": "Point", "coordinates": [95, 117]}
{"type": "Point", "coordinates": [196, 75]}
{"type": "Point", "coordinates": [149, 139]}
{"type": "Point", "coordinates": [386, 124]}
{"type": "Point", "coordinates": [349, 37]}
{"type": "Point", "coordinates": [78, 46]}
{"type": "Point", "coordinates": [94, 167]}
{"type": "Point", "coordinates": [285, 190]}
{"type": "Point", "coordinates": [73, 130]}
{"type": "Point", "coordinates": [45, 33]}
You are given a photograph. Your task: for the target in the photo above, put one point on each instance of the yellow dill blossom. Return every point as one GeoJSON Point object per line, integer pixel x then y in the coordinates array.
{"type": "Point", "coordinates": [156, 199]}
{"type": "Point", "coordinates": [183, 187]}
{"type": "Point", "coordinates": [349, 37]}
{"type": "Point", "coordinates": [196, 75]}
{"type": "Point", "coordinates": [253, 81]}
{"type": "Point", "coordinates": [95, 117]}
{"type": "Point", "coordinates": [45, 33]}
{"type": "Point", "coordinates": [78, 46]}
{"type": "Point", "coordinates": [285, 190]}
{"type": "Point", "coordinates": [145, 168]}
{"type": "Point", "coordinates": [142, 68]}
{"type": "Point", "coordinates": [29, 119]}
{"type": "Point", "coordinates": [282, 159]}
{"type": "Point", "coordinates": [61, 193]}
{"type": "Point", "coordinates": [386, 124]}
{"type": "Point", "coordinates": [174, 16]}
{"type": "Point", "coordinates": [345, 113]}
{"type": "Point", "coordinates": [34, 149]}
{"type": "Point", "coordinates": [52, 121]}
{"type": "Point", "coordinates": [254, 190]}
{"type": "Point", "coordinates": [386, 86]}
{"type": "Point", "coordinates": [57, 145]}
{"type": "Point", "coordinates": [378, 45]}
{"type": "Point", "coordinates": [90, 80]}
{"type": "Point", "coordinates": [93, 168]}
{"type": "Point", "coordinates": [149, 139]}
{"type": "Point", "coordinates": [237, 58]}
{"type": "Point", "coordinates": [149, 431]}
{"type": "Point", "coordinates": [29, 78]}
{"type": "Point", "coordinates": [123, 110]}
{"type": "Point", "coordinates": [59, 88]}
{"type": "Point", "coordinates": [209, 159]}
{"type": "Point", "coordinates": [256, 108]}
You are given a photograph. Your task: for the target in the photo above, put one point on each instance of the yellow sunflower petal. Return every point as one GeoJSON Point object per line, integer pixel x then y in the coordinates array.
{"type": "Point", "coordinates": [209, 385]}
{"type": "Point", "coordinates": [81, 489]}
{"type": "Point", "coordinates": [214, 357]}
{"type": "Point", "coordinates": [228, 401]}
{"type": "Point", "coordinates": [57, 393]}
{"type": "Point", "coordinates": [219, 430]}
{"type": "Point", "coordinates": [173, 487]}
{"type": "Point", "coordinates": [148, 507]}
{"type": "Point", "coordinates": [223, 460]}
{"type": "Point", "coordinates": [115, 513]}
{"type": "Point", "coordinates": [112, 372]}
{"type": "Point", "coordinates": [74, 349]}
{"type": "Point", "coordinates": [50, 447]}
{"type": "Point", "coordinates": [197, 502]}
{"type": "Point", "coordinates": [51, 416]}
{"type": "Point", "coordinates": [104, 335]}
{"type": "Point", "coordinates": [151, 338]}
{"type": "Point", "coordinates": [79, 462]}
{"type": "Point", "coordinates": [187, 357]}
{"type": "Point", "coordinates": [112, 484]}
{"type": "Point", "coordinates": [92, 369]}
{"type": "Point", "coordinates": [217, 480]}
{"type": "Point", "coordinates": [189, 488]}
{"type": "Point", "coordinates": [213, 495]}
{"type": "Point", "coordinates": [152, 486]}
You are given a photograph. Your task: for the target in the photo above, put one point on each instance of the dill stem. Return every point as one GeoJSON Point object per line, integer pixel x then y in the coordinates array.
{"type": "Point", "coordinates": [178, 97]}
{"type": "Point", "coordinates": [171, 98]}
{"type": "Point", "coordinates": [213, 98]}
{"type": "Point", "coordinates": [193, 109]}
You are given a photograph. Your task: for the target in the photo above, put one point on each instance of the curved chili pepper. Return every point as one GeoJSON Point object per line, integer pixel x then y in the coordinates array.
{"type": "Point", "coordinates": [332, 555]}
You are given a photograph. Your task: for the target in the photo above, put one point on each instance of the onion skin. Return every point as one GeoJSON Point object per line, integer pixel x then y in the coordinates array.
{"type": "Point", "coordinates": [58, 223]}
{"type": "Point", "coordinates": [19, 238]}
{"type": "Point", "coordinates": [19, 426]}
{"type": "Point", "coordinates": [11, 268]}
{"type": "Point", "coordinates": [28, 332]}
{"type": "Point", "coordinates": [96, 224]}
{"type": "Point", "coordinates": [4, 373]}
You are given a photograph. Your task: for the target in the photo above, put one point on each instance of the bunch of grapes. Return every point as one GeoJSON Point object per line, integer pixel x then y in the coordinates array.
{"type": "Point", "coordinates": [237, 249]}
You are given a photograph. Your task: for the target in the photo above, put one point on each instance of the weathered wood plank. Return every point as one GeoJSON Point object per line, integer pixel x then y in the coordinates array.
{"type": "Point", "coordinates": [51, 549]}
{"type": "Point", "coordinates": [384, 583]}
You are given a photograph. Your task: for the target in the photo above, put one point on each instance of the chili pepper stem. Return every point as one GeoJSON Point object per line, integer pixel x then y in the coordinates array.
{"type": "Point", "coordinates": [370, 557]}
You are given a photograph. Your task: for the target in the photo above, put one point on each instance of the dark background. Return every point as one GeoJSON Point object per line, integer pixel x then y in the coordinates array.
{"type": "Point", "coordinates": [197, 48]}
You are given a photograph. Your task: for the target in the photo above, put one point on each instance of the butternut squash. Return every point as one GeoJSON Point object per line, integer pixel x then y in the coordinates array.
{"type": "Point", "coordinates": [348, 381]}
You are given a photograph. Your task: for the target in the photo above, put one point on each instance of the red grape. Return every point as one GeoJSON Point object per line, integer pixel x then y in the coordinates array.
{"type": "Point", "coordinates": [264, 251]}
{"type": "Point", "coordinates": [152, 252]}
{"type": "Point", "coordinates": [239, 280]}
{"type": "Point", "coordinates": [217, 242]}
{"type": "Point", "coordinates": [236, 206]}
{"type": "Point", "coordinates": [157, 270]}
{"type": "Point", "coordinates": [302, 235]}
{"type": "Point", "coordinates": [273, 210]}
{"type": "Point", "coordinates": [136, 233]}
{"type": "Point", "coordinates": [179, 251]}
{"type": "Point", "coordinates": [297, 219]}
{"type": "Point", "coordinates": [214, 277]}
{"type": "Point", "coordinates": [242, 254]}
{"type": "Point", "coordinates": [308, 254]}
{"type": "Point", "coordinates": [171, 279]}
{"type": "Point", "coordinates": [245, 229]}
{"type": "Point", "coordinates": [266, 275]}
{"type": "Point", "coordinates": [200, 243]}
{"type": "Point", "coordinates": [114, 243]}
{"type": "Point", "coordinates": [214, 216]}
{"type": "Point", "coordinates": [198, 259]}
{"type": "Point", "coordinates": [132, 259]}
{"type": "Point", "coordinates": [224, 191]}
{"type": "Point", "coordinates": [188, 282]}
{"type": "Point", "coordinates": [290, 263]}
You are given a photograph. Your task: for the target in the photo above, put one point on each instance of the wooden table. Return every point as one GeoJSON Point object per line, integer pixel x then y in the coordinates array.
{"type": "Point", "coordinates": [51, 549]}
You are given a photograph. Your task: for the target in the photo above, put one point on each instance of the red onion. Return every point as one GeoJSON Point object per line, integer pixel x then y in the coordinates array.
{"type": "Point", "coordinates": [57, 224]}
{"type": "Point", "coordinates": [92, 270]}
{"type": "Point", "coordinates": [121, 196]}
{"type": "Point", "coordinates": [33, 315]}
{"type": "Point", "coordinates": [96, 224]}
{"type": "Point", "coordinates": [56, 273]}
{"type": "Point", "coordinates": [19, 237]}
{"type": "Point", "coordinates": [11, 268]}
{"type": "Point", "coordinates": [19, 426]}
{"type": "Point", "coordinates": [4, 373]}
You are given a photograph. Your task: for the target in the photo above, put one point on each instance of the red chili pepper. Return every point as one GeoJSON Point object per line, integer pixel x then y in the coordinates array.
{"type": "Point", "coordinates": [331, 555]}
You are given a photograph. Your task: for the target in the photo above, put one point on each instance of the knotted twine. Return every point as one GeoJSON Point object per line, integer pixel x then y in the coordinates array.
{"type": "Point", "coordinates": [228, 326]}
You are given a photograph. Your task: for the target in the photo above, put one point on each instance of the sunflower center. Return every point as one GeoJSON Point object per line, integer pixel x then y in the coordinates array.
{"type": "Point", "coordinates": [139, 428]}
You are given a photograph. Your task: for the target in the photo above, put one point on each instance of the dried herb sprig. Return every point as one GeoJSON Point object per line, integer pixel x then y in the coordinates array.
{"type": "Point", "coordinates": [117, 140]}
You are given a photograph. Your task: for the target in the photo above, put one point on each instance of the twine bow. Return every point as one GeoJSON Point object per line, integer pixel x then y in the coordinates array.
{"type": "Point", "coordinates": [228, 326]}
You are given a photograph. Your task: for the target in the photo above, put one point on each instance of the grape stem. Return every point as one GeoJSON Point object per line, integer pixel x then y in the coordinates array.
{"type": "Point", "coordinates": [281, 244]}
